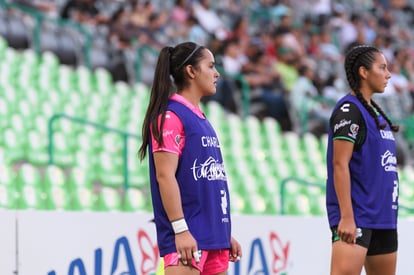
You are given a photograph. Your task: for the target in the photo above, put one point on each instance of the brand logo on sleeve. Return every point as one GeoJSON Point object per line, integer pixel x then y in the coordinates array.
{"type": "Point", "coordinates": [341, 124]}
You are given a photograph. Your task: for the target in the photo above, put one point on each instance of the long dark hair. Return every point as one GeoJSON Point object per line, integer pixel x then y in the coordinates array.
{"type": "Point", "coordinates": [169, 76]}
{"type": "Point", "coordinates": [364, 55]}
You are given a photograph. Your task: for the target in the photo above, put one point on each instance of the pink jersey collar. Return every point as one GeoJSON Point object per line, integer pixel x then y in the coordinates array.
{"type": "Point", "coordinates": [185, 102]}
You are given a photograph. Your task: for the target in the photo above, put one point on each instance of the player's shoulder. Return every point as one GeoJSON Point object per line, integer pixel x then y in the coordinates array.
{"type": "Point", "coordinates": [347, 109]}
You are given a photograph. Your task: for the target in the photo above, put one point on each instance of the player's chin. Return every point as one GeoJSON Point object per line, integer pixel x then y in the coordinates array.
{"type": "Point", "coordinates": [211, 92]}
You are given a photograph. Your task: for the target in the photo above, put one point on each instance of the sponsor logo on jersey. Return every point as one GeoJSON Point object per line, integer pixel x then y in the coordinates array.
{"type": "Point", "coordinates": [389, 161]}
{"type": "Point", "coordinates": [208, 141]}
{"type": "Point", "coordinates": [341, 124]}
{"type": "Point", "coordinates": [210, 169]}
{"type": "Point", "coordinates": [387, 134]}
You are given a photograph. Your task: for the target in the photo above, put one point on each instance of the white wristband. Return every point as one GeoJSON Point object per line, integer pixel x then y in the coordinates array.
{"type": "Point", "coordinates": [179, 226]}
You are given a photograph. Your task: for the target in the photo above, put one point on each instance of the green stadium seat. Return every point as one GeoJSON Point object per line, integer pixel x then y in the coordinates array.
{"type": "Point", "coordinates": [122, 89]}
{"type": "Point", "coordinates": [11, 94]}
{"type": "Point", "coordinates": [31, 197]}
{"type": "Point", "coordinates": [254, 132]}
{"type": "Point", "coordinates": [85, 80]}
{"type": "Point", "coordinates": [406, 189]}
{"type": "Point", "coordinates": [239, 204]}
{"type": "Point", "coordinates": [138, 172]}
{"type": "Point", "coordinates": [86, 161]}
{"type": "Point", "coordinates": [82, 198]}
{"type": "Point", "coordinates": [37, 148]}
{"type": "Point", "coordinates": [135, 200]}
{"type": "Point", "coordinates": [7, 197]}
{"type": "Point", "coordinates": [54, 176]}
{"type": "Point", "coordinates": [58, 198]}
{"type": "Point", "coordinates": [7, 176]}
{"type": "Point", "coordinates": [298, 206]}
{"type": "Point", "coordinates": [88, 140]}
{"type": "Point", "coordinates": [79, 177]}
{"type": "Point", "coordinates": [316, 198]}
{"type": "Point", "coordinates": [50, 60]}
{"type": "Point", "coordinates": [63, 153]}
{"type": "Point", "coordinates": [56, 188]}
{"type": "Point", "coordinates": [104, 84]}
{"type": "Point", "coordinates": [66, 81]}
{"type": "Point", "coordinates": [29, 105]}
{"type": "Point", "coordinates": [111, 143]}
{"type": "Point", "coordinates": [3, 158]}
{"type": "Point", "coordinates": [13, 144]}
{"type": "Point", "coordinates": [293, 146]}
{"type": "Point", "coordinates": [110, 169]}
{"type": "Point", "coordinates": [323, 146]}
{"type": "Point", "coordinates": [12, 57]}
{"type": "Point", "coordinates": [48, 77]}
{"type": "Point", "coordinates": [27, 175]}
{"type": "Point", "coordinates": [311, 147]}
{"type": "Point", "coordinates": [6, 76]}
{"type": "Point", "coordinates": [108, 199]}
{"type": "Point", "coordinates": [5, 113]}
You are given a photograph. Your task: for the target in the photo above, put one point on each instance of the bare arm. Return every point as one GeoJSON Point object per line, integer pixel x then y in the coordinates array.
{"type": "Point", "coordinates": [166, 166]}
{"type": "Point", "coordinates": [342, 182]}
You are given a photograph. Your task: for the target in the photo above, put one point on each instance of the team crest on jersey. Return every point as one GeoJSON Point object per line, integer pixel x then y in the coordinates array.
{"type": "Point", "coordinates": [353, 130]}
{"type": "Point", "coordinates": [177, 139]}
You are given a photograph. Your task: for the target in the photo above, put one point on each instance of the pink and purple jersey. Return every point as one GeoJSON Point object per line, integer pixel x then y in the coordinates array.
{"type": "Point", "coordinates": [202, 181]}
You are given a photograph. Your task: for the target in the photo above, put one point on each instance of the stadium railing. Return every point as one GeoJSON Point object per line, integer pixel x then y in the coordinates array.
{"type": "Point", "coordinates": [101, 127]}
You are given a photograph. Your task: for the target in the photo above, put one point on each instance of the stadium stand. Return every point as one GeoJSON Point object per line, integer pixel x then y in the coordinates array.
{"type": "Point", "coordinates": [69, 139]}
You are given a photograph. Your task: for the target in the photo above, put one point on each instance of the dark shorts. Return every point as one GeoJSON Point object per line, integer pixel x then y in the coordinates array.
{"type": "Point", "coordinates": [377, 241]}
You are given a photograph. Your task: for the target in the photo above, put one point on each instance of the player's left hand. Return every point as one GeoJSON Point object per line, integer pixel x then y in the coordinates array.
{"type": "Point", "coordinates": [235, 250]}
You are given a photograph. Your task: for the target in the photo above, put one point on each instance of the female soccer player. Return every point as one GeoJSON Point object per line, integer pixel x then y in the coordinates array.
{"type": "Point", "coordinates": [189, 188]}
{"type": "Point", "coordinates": [362, 185]}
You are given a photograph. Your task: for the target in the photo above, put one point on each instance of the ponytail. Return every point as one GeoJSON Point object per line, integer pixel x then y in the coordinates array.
{"type": "Point", "coordinates": [160, 92]}
{"type": "Point", "coordinates": [170, 66]}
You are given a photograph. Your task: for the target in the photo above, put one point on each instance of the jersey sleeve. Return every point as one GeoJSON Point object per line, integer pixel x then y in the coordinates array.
{"type": "Point", "coordinates": [346, 122]}
{"type": "Point", "coordinates": [173, 135]}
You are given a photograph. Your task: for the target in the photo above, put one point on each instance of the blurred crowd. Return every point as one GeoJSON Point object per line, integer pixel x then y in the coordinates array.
{"type": "Point", "coordinates": [289, 53]}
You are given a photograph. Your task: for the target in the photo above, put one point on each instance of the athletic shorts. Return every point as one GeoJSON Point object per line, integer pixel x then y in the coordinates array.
{"type": "Point", "coordinates": [377, 241]}
{"type": "Point", "coordinates": [211, 261]}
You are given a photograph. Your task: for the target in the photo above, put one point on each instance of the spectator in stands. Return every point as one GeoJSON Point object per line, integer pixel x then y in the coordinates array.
{"type": "Point", "coordinates": [327, 49]}
{"type": "Point", "coordinates": [209, 19]}
{"type": "Point", "coordinates": [181, 12]}
{"type": "Point", "coordinates": [121, 30]}
{"type": "Point", "coordinates": [307, 104]}
{"type": "Point", "coordinates": [141, 13]}
{"type": "Point", "coordinates": [187, 177]}
{"type": "Point", "coordinates": [196, 33]}
{"type": "Point", "coordinates": [83, 11]}
{"type": "Point", "coordinates": [240, 31]}
{"type": "Point", "coordinates": [42, 5]}
{"type": "Point", "coordinates": [362, 185]}
{"type": "Point", "coordinates": [263, 81]}
{"type": "Point", "coordinates": [154, 33]}
{"type": "Point", "coordinates": [287, 66]}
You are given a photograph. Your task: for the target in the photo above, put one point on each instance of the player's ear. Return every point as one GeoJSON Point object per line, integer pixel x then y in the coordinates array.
{"type": "Point", "coordinates": [363, 72]}
{"type": "Point", "coordinates": [189, 69]}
